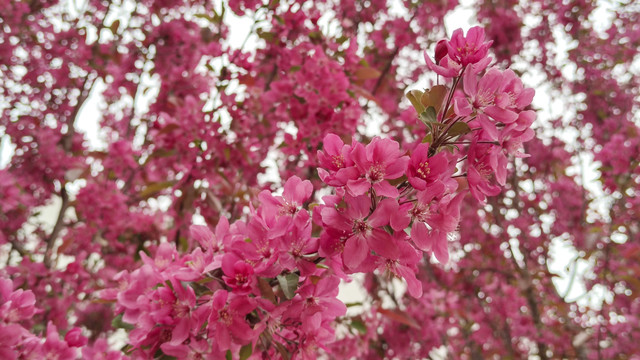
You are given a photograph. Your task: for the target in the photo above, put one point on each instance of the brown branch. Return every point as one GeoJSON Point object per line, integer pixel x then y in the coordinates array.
{"type": "Point", "coordinates": [57, 227]}
{"type": "Point", "coordinates": [15, 245]}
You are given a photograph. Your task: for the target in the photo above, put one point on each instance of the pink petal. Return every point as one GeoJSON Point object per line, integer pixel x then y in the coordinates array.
{"type": "Point", "coordinates": [461, 106]}
{"type": "Point", "coordinates": [332, 144]}
{"type": "Point", "coordinates": [420, 236]}
{"type": "Point", "coordinates": [381, 242]}
{"type": "Point", "coordinates": [358, 187]}
{"type": "Point", "coordinates": [385, 189]}
{"type": "Point", "coordinates": [355, 251]}
{"type": "Point", "coordinates": [440, 249]}
{"type": "Point", "coordinates": [502, 115]}
{"type": "Point", "coordinates": [488, 126]}
{"type": "Point", "coordinates": [470, 83]}
{"type": "Point", "coordinates": [180, 332]}
{"type": "Point", "coordinates": [397, 168]}
{"type": "Point", "coordinates": [414, 287]}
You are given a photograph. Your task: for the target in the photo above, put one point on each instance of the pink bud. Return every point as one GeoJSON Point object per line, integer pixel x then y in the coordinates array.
{"type": "Point", "coordinates": [441, 50]}
{"type": "Point", "coordinates": [74, 338]}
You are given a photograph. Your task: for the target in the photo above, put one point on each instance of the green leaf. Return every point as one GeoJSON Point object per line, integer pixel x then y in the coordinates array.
{"type": "Point", "coordinates": [206, 17]}
{"type": "Point", "coordinates": [428, 139]}
{"type": "Point", "coordinates": [342, 39]}
{"type": "Point", "coordinates": [246, 351]}
{"type": "Point", "coordinates": [288, 284]}
{"type": "Point", "coordinates": [359, 325]}
{"type": "Point", "coordinates": [117, 323]}
{"type": "Point", "coordinates": [414, 96]}
{"type": "Point", "coordinates": [429, 117]}
{"type": "Point", "coordinates": [228, 356]}
{"type": "Point", "coordinates": [315, 35]}
{"type": "Point", "coordinates": [353, 304]}
{"type": "Point", "coordinates": [459, 128]}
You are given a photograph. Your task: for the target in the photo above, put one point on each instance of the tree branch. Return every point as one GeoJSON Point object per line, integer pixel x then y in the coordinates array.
{"type": "Point", "coordinates": [57, 227]}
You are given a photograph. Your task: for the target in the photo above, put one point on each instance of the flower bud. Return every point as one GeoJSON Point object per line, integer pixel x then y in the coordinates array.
{"type": "Point", "coordinates": [441, 50]}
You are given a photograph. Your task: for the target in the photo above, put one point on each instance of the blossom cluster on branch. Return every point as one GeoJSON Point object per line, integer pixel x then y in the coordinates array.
{"type": "Point", "coordinates": [269, 284]}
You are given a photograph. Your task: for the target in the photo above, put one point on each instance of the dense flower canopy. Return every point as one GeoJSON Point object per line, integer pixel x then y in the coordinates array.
{"type": "Point", "coordinates": [237, 185]}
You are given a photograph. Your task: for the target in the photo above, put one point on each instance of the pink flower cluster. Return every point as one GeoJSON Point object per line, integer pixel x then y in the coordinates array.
{"type": "Point", "coordinates": [249, 284]}
{"type": "Point", "coordinates": [493, 106]}
{"type": "Point", "coordinates": [380, 193]}
{"type": "Point", "coordinates": [267, 284]}
{"type": "Point", "coordinates": [17, 307]}
{"type": "Point", "coordinates": [270, 283]}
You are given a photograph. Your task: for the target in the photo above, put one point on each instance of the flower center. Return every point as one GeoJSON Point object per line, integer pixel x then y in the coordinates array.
{"type": "Point", "coordinates": [466, 50]}
{"type": "Point", "coordinates": [288, 209]}
{"type": "Point", "coordinates": [390, 265]}
{"type": "Point", "coordinates": [241, 278]}
{"type": "Point", "coordinates": [337, 161]}
{"type": "Point", "coordinates": [265, 251]}
{"type": "Point", "coordinates": [360, 226]}
{"type": "Point", "coordinates": [225, 317]}
{"type": "Point", "coordinates": [484, 98]}
{"type": "Point", "coordinates": [376, 173]}
{"type": "Point", "coordinates": [180, 310]}
{"type": "Point", "coordinates": [311, 301]}
{"type": "Point", "coordinates": [420, 212]}
{"type": "Point", "coordinates": [296, 250]}
{"type": "Point", "coordinates": [423, 170]}
{"type": "Point", "coordinates": [484, 171]}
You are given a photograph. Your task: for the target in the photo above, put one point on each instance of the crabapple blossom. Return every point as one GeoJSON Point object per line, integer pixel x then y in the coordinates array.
{"type": "Point", "coordinates": [237, 184]}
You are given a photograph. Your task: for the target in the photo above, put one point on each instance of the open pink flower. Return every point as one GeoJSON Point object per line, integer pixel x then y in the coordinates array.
{"type": "Point", "coordinates": [400, 259]}
{"type": "Point", "coordinates": [296, 192]}
{"type": "Point", "coordinates": [337, 167]}
{"type": "Point", "coordinates": [379, 161]}
{"type": "Point", "coordinates": [435, 215]}
{"type": "Point", "coordinates": [297, 244]}
{"type": "Point", "coordinates": [238, 274]}
{"type": "Point", "coordinates": [227, 322]}
{"type": "Point", "coordinates": [514, 95]}
{"type": "Point", "coordinates": [424, 170]}
{"type": "Point", "coordinates": [207, 239]}
{"type": "Point", "coordinates": [15, 305]}
{"type": "Point", "coordinates": [317, 302]}
{"type": "Point", "coordinates": [480, 173]}
{"type": "Point", "coordinates": [362, 225]}
{"type": "Point", "coordinates": [470, 49]}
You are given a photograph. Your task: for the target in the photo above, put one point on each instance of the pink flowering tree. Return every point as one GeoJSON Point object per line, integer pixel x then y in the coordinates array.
{"type": "Point", "coordinates": [229, 190]}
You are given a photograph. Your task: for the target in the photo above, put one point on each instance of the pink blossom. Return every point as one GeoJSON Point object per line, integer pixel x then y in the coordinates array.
{"type": "Point", "coordinates": [443, 66]}
{"type": "Point", "coordinates": [400, 259]}
{"type": "Point", "coordinates": [480, 173]}
{"type": "Point", "coordinates": [75, 338]}
{"type": "Point", "coordinates": [337, 166]}
{"type": "Point", "coordinates": [227, 322]}
{"type": "Point", "coordinates": [470, 49]}
{"type": "Point", "coordinates": [296, 192]}
{"type": "Point", "coordinates": [424, 170]}
{"type": "Point", "coordinates": [361, 224]}
{"type": "Point", "coordinates": [379, 161]}
{"type": "Point", "coordinates": [238, 275]}
{"type": "Point", "coordinates": [317, 302]}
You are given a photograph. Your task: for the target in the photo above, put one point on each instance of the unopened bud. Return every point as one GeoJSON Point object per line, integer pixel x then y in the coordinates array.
{"type": "Point", "coordinates": [441, 50]}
